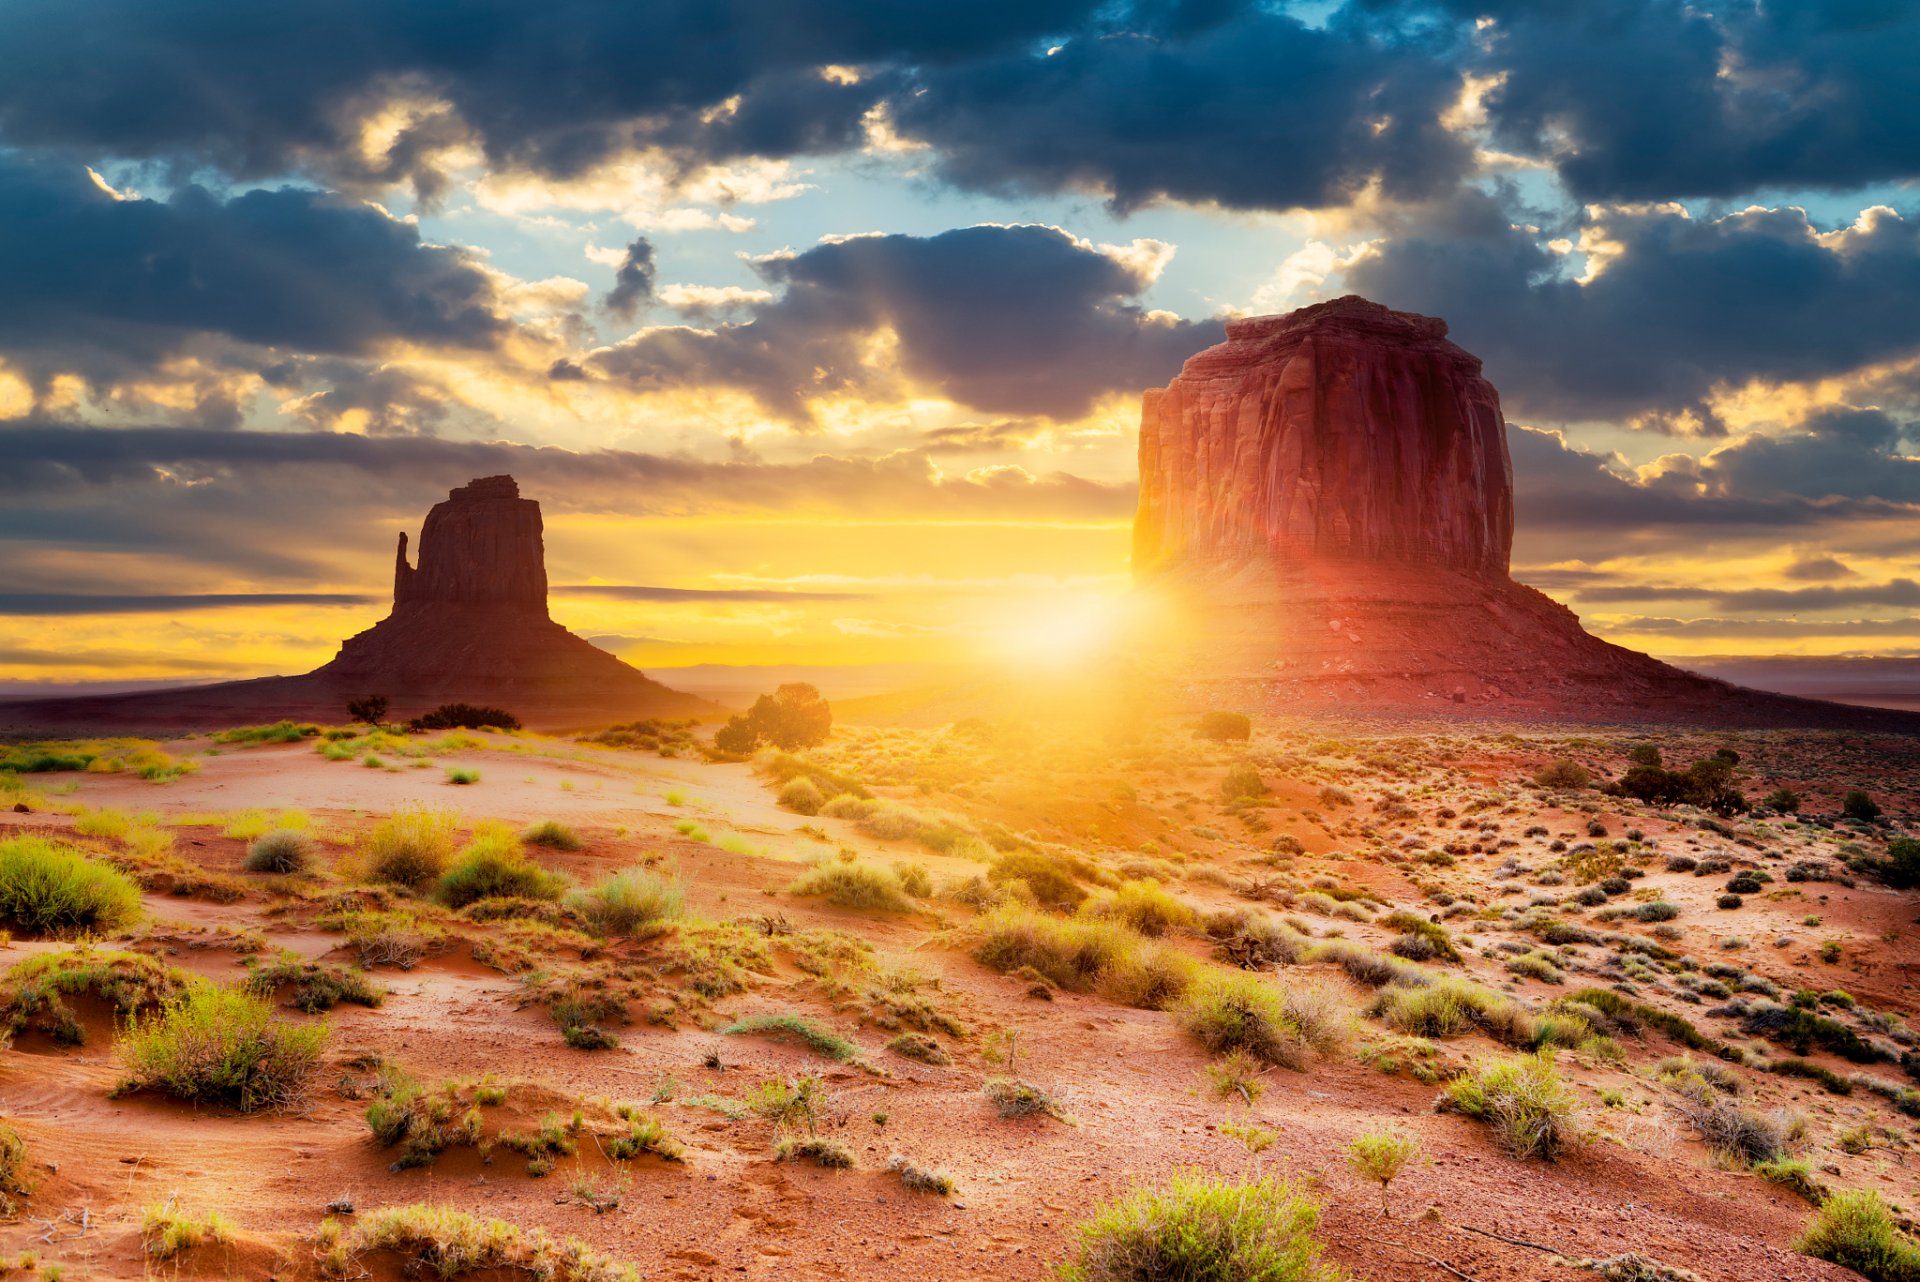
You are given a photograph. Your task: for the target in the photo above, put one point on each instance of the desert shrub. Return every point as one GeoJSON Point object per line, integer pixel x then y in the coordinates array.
{"type": "Point", "coordinates": [1793, 1174]}
{"type": "Point", "coordinates": [634, 901]}
{"type": "Point", "coordinates": [919, 1046]}
{"type": "Point", "coordinates": [1050, 878]}
{"type": "Point", "coordinates": [1199, 1227]}
{"type": "Point", "coordinates": [1223, 726]}
{"type": "Point", "coordinates": [220, 1045]}
{"type": "Point", "coordinates": [854, 885]}
{"type": "Point", "coordinates": [1243, 782]}
{"type": "Point", "coordinates": [1144, 906]}
{"type": "Point", "coordinates": [465, 716]}
{"type": "Point", "coordinates": [1855, 1230]}
{"type": "Point", "coordinates": [371, 710]}
{"type": "Point", "coordinates": [1152, 977]}
{"type": "Point", "coordinates": [1365, 966]}
{"type": "Point", "coordinates": [1013, 1097]}
{"type": "Point", "coordinates": [1522, 1097]}
{"type": "Point", "coordinates": [35, 992]}
{"type": "Point", "coordinates": [1072, 953]}
{"type": "Point", "coordinates": [1657, 910]}
{"type": "Point", "coordinates": [1536, 965]}
{"type": "Point", "coordinates": [409, 847]}
{"type": "Point", "coordinates": [1858, 805]}
{"type": "Point", "coordinates": [1561, 773]}
{"type": "Point", "coordinates": [1901, 868]}
{"type": "Point", "coordinates": [551, 834]}
{"type": "Point", "coordinates": [1380, 1156]}
{"type": "Point", "coordinates": [167, 1231]}
{"type": "Point", "coordinates": [445, 1243]}
{"type": "Point", "coordinates": [283, 850]}
{"type": "Point", "coordinates": [1450, 1006]}
{"type": "Point", "coordinates": [815, 1037]}
{"type": "Point", "coordinates": [462, 775]}
{"type": "Point", "coordinates": [1231, 1010]}
{"type": "Point", "coordinates": [1254, 941]}
{"type": "Point", "coordinates": [1729, 1130]}
{"type": "Point", "coordinates": [13, 1169]}
{"type": "Point", "coordinates": [1433, 932]}
{"type": "Point", "coordinates": [817, 1149]}
{"type": "Point", "coordinates": [313, 986]}
{"type": "Point", "coordinates": [53, 890]}
{"type": "Point", "coordinates": [914, 880]}
{"type": "Point", "coordinates": [493, 866]}
{"type": "Point", "coordinates": [920, 1179]}
{"type": "Point", "coordinates": [802, 796]}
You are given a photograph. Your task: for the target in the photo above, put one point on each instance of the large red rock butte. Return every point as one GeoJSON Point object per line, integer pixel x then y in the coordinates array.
{"type": "Point", "coordinates": [1326, 504]}
{"type": "Point", "coordinates": [469, 624]}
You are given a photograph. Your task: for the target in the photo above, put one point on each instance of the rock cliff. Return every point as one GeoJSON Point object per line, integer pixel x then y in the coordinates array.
{"type": "Point", "coordinates": [1326, 508]}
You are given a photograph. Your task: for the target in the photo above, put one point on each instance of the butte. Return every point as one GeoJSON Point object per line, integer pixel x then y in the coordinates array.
{"type": "Point", "coordinates": [1326, 507]}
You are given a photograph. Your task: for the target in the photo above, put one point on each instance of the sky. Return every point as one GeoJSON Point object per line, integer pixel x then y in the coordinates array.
{"type": "Point", "coordinates": [819, 327]}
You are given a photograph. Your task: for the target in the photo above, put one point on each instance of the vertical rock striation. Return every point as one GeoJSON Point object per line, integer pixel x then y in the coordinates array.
{"type": "Point", "coordinates": [482, 546]}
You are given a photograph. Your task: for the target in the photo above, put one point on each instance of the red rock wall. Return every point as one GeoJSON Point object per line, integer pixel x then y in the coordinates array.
{"type": "Point", "coordinates": [482, 546]}
{"type": "Point", "coordinates": [1343, 431]}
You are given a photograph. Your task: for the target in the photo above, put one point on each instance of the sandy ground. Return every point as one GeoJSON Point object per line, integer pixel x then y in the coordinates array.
{"type": "Point", "coordinates": [1127, 1077]}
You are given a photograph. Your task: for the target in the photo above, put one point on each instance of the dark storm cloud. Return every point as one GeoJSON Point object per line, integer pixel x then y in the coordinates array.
{"type": "Point", "coordinates": [1019, 320]}
{"type": "Point", "coordinates": [555, 87]}
{"type": "Point", "coordinates": [1262, 112]}
{"type": "Point", "coordinates": [1681, 305]}
{"type": "Point", "coordinates": [633, 280]}
{"type": "Point", "coordinates": [104, 285]}
{"type": "Point", "coordinates": [1657, 99]}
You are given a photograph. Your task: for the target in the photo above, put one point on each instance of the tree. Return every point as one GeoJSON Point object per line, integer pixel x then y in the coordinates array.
{"type": "Point", "coordinates": [1645, 754]}
{"type": "Point", "coordinates": [792, 717]}
{"type": "Point", "coordinates": [371, 709]}
{"type": "Point", "coordinates": [1858, 805]}
{"type": "Point", "coordinates": [1783, 801]}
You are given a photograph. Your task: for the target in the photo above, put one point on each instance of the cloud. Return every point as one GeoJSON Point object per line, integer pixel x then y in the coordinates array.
{"type": "Point", "coordinates": [42, 604]}
{"type": "Point", "coordinates": [1259, 111]}
{"type": "Point", "coordinates": [1017, 320]}
{"type": "Point", "coordinates": [633, 281]}
{"type": "Point", "coordinates": [1680, 307]}
{"type": "Point", "coordinates": [642, 592]}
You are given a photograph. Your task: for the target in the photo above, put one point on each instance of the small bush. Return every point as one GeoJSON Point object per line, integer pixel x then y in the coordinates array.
{"type": "Point", "coordinates": [551, 834]}
{"type": "Point", "coordinates": [1380, 1156]}
{"type": "Point", "coordinates": [1232, 1010]}
{"type": "Point", "coordinates": [1858, 805]}
{"type": "Point", "coordinates": [920, 1179]}
{"type": "Point", "coordinates": [1199, 1227]}
{"type": "Point", "coordinates": [410, 847]}
{"type": "Point", "coordinates": [493, 866]}
{"type": "Point", "coordinates": [821, 1040]}
{"type": "Point", "coordinates": [1855, 1230]}
{"type": "Point", "coordinates": [1011, 1097]}
{"type": "Point", "coordinates": [1432, 932]}
{"type": "Point", "coordinates": [167, 1231]}
{"type": "Point", "coordinates": [52, 890]}
{"type": "Point", "coordinates": [225, 1046]}
{"type": "Point", "coordinates": [1050, 879]}
{"type": "Point", "coordinates": [1223, 726]}
{"type": "Point", "coordinates": [462, 775]}
{"type": "Point", "coordinates": [1794, 1175]}
{"type": "Point", "coordinates": [636, 901]}
{"type": "Point", "coordinates": [1072, 954]}
{"type": "Point", "coordinates": [13, 1169]}
{"type": "Point", "coordinates": [801, 795]}
{"type": "Point", "coordinates": [1145, 907]}
{"type": "Point", "coordinates": [446, 1243]}
{"type": "Point", "coordinates": [1242, 782]}
{"type": "Point", "coordinates": [855, 885]}
{"type": "Point", "coordinates": [1561, 773]}
{"type": "Point", "coordinates": [465, 716]}
{"type": "Point", "coordinates": [283, 850]}
{"type": "Point", "coordinates": [1531, 1110]}
{"type": "Point", "coordinates": [919, 1046]}
{"type": "Point", "coordinates": [817, 1149]}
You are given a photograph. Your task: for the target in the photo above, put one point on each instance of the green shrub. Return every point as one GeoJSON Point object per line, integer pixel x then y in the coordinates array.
{"type": "Point", "coordinates": [802, 796]}
{"type": "Point", "coordinates": [410, 847]}
{"type": "Point", "coordinates": [1223, 726]}
{"type": "Point", "coordinates": [1380, 1156]}
{"type": "Point", "coordinates": [220, 1045]}
{"type": "Point", "coordinates": [1072, 954]}
{"type": "Point", "coordinates": [1049, 878]}
{"type": "Point", "coordinates": [52, 890]}
{"type": "Point", "coordinates": [551, 834]}
{"type": "Point", "coordinates": [1242, 782]}
{"type": "Point", "coordinates": [462, 775]}
{"type": "Point", "coordinates": [821, 1040]}
{"type": "Point", "coordinates": [817, 1149]}
{"type": "Point", "coordinates": [493, 866]}
{"type": "Point", "coordinates": [1144, 906]}
{"type": "Point", "coordinates": [1858, 805]}
{"type": "Point", "coordinates": [1452, 1005]}
{"type": "Point", "coordinates": [313, 986]}
{"type": "Point", "coordinates": [1855, 1230]}
{"type": "Point", "coordinates": [1531, 1110]}
{"type": "Point", "coordinates": [35, 991]}
{"type": "Point", "coordinates": [13, 1169]}
{"type": "Point", "coordinates": [1199, 1227]}
{"type": "Point", "coordinates": [1793, 1174]}
{"type": "Point", "coordinates": [1233, 1010]}
{"type": "Point", "coordinates": [284, 850]}
{"type": "Point", "coordinates": [855, 885]}
{"type": "Point", "coordinates": [635, 901]}
{"type": "Point", "coordinates": [1560, 773]}
{"type": "Point", "coordinates": [920, 1179]}
{"type": "Point", "coordinates": [445, 1243]}
{"type": "Point", "coordinates": [465, 716]}
{"type": "Point", "coordinates": [1431, 931]}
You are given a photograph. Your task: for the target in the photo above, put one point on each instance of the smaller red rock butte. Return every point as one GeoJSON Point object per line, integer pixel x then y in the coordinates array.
{"type": "Point", "coordinates": [469, 625]}
{"type": "Point", "coordinates": [1326, 500]}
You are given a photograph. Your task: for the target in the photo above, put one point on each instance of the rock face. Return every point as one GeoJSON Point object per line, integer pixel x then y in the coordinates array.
{"type": "Point", "coordinates": [1343, 431]}
{"type": "Point", "coordinates": [469, 624]}
{"type": "Point", "coordinates": [480, 547]}
{"type": "Point", "coordinates": [1326, 507]}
